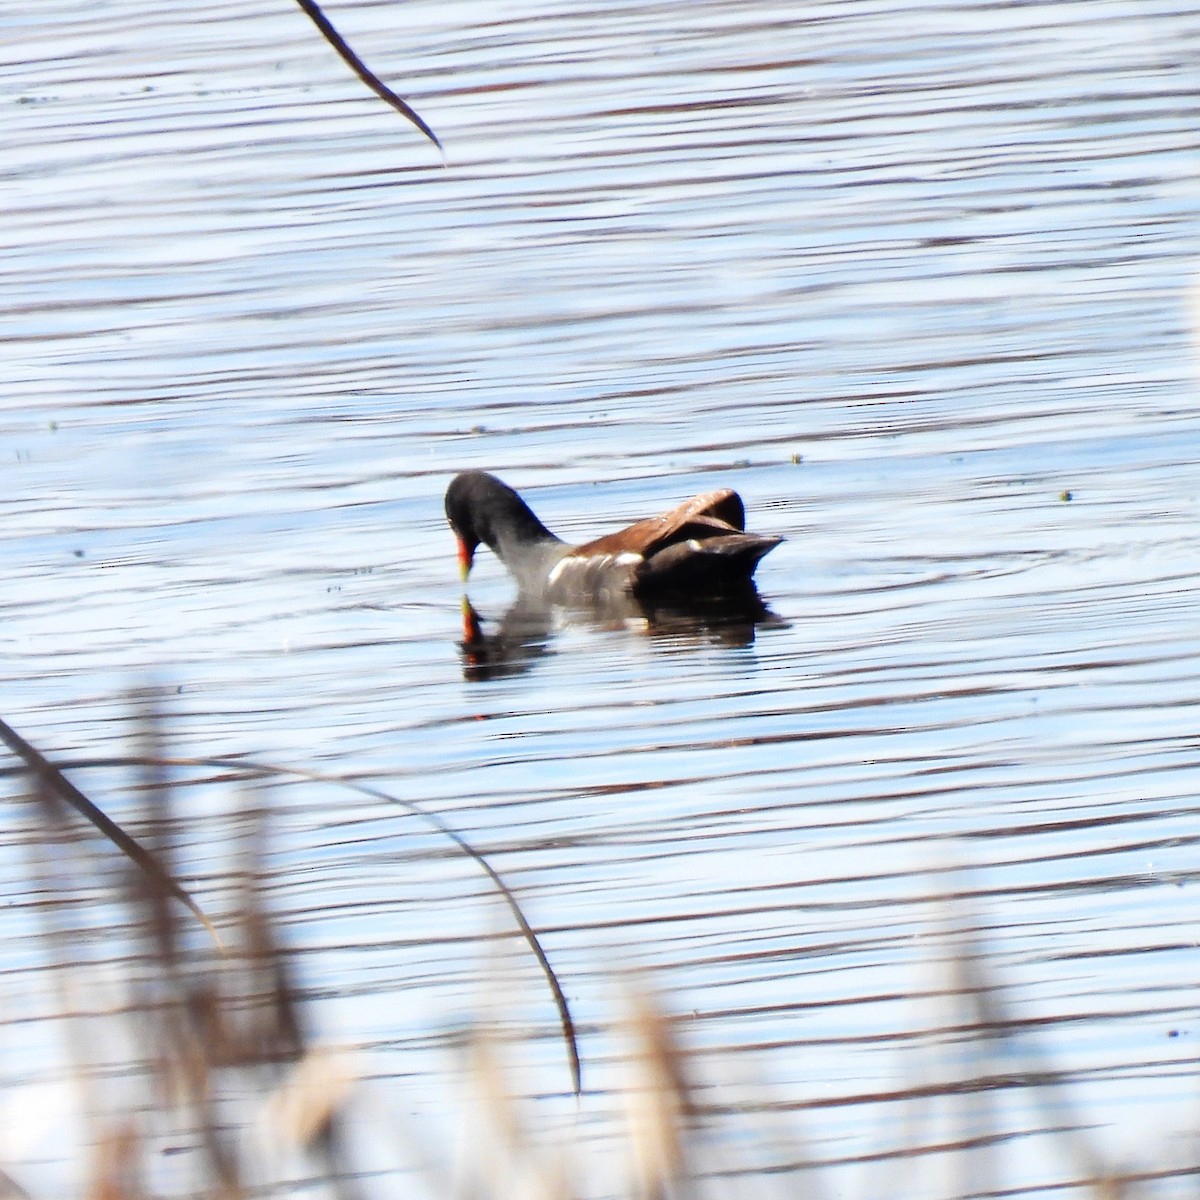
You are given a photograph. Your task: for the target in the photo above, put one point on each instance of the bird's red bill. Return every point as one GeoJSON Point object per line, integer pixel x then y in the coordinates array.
{"type": "Point", "coordinates": [465, 557]}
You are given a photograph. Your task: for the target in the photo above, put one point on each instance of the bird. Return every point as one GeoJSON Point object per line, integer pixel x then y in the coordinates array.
{"type": "Point", "coordinates": [697, 551]}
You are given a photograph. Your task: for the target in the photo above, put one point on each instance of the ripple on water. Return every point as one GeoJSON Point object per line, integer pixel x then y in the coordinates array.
{"type": "Point", "coordinates": [912, 278]}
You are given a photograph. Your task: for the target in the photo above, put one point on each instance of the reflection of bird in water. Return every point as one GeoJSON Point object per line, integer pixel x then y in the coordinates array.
{"type": "Point", "coordinates": [698, 550]}
{"type": "Point", "coordinates": [522, 637]}
{"type": "Point", "coordinates": [525, 633]}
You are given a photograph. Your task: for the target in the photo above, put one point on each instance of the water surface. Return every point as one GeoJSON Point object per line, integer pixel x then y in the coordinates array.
{"type": "Point", "coordinates": [915, 278]}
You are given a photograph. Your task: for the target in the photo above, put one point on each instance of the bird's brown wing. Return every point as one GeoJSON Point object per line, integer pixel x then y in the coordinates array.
{"type": "Point", "coordinates": [707, 515]}
{"type": "Point", "coordinates": [724, 505]}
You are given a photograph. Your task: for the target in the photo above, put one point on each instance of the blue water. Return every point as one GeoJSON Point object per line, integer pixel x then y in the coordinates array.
{"type": "Point", "coordinates": [916, 279]}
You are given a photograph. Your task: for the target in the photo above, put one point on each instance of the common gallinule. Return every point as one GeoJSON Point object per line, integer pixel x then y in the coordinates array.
{"type": "Point", "coordinates": [697, 551]}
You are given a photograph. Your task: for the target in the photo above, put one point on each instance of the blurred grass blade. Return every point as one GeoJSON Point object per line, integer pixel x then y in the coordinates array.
{"type": "Point", "coordinates": [46, 774]}
{"type": "Point", "coordinates": [356, 64]}
{"type": "Point", "coordinates": [658, 1099]}
{"type": "Point", "coordinates": [158, 838]}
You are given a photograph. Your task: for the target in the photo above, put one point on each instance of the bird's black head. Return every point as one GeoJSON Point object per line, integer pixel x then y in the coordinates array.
{"type": "Point", "coordinates": [464, 508]}
{"type": "Point", "coordinates": [482, 509]}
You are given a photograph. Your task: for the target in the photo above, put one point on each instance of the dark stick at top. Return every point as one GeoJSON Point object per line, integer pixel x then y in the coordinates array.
{"type": "Point", "coordinates": [356, 64]}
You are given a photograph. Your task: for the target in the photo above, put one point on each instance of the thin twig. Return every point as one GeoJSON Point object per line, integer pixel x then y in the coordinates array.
{"type": "Point", "coordinates": [356, 64]}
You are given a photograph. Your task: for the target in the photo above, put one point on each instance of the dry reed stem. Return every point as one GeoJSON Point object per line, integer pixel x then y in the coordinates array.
{"type": "Point", "coordinates": [116, 1166]}
{"type": "Point", "coordinates": [303, 1107]}
{"type": "Point", "coordinates": [503, 1156]}
{"type": "Point", "coordinates": [657, 1098]}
